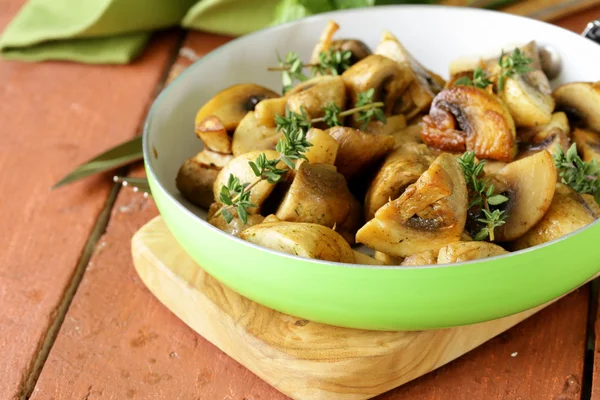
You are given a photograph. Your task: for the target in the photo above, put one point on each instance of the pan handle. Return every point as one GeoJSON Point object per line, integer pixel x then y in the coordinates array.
{"type": "Point", "coordinates": [592, 31]}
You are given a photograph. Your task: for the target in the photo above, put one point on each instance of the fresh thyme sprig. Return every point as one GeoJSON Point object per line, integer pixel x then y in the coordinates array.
{"type": "Point", "coordinates": [291, 147]}
{"type": "Point", "coordinates": [482, 196]}
{"type": "Point", "coordinates": [332, 62]}
{"type": "Point", "coordinates": [365, 115]}
{"type": "Point", "coordinates": [510, 65]}
{"type": "Point", "coordinates": [291, 68]}
{"type": "Point", "coordinates": [235, 195]}
{"type": "Point", "coordinates": [582, 176]}
{"type": "Point", "coordinates": [480, 79]}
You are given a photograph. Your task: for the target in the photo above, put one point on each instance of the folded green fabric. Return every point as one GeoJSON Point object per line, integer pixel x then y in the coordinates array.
{"type": "Point", "coordinates": [92, 31]}
{"type": "Point", "coordinates": [116, 31]}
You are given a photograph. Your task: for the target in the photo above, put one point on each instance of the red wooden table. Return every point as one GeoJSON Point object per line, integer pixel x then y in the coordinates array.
{"type": "Point", "coordinates": [77, 323]}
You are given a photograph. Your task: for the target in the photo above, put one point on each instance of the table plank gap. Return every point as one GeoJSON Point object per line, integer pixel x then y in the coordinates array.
{"type": "Point", "coordinates": [90, 245]}
{"type": "Point", "coordinates": [63, 307]}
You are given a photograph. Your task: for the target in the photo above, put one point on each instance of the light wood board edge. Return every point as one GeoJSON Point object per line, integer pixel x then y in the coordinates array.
{"type": "Point", "coordinates": [299, 358]}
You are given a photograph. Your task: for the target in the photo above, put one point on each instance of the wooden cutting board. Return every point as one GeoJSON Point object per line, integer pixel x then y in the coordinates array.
{"type": "Point", "coordinates": [545, 10]}
{"type": "Point", "coordinates": [303, 359]}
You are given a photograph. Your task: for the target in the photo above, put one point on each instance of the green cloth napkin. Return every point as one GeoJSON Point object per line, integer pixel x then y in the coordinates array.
{"type": "Point", "coordinates": [116, 31]}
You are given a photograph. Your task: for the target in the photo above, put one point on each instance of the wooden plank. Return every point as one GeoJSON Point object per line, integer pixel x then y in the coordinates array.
{"type": "Point", "coordinates": [319, 364]}
{"type": "Point", "coordinates": [541, 358]}
{"type": "Point", "coordinates": [578, 21]}
{"type": "Point", "coordinates": [118, 341]}
{"type": "Point", "coordinates": [53, 116]}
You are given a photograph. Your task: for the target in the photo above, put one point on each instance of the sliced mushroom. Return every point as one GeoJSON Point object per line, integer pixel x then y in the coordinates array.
{"type": "Point", "coordinates": [240, 168]}
{"type": "Point", "coordinates": [266, 111]}
{"type": "Point", "coordinates": [426, 257]}
{"type": "Point", "coordinates": [250, 135]}
{"type": "Point", "coordinates": [324, 147]}
{"type": "Point", "coordinates": [529, 184]}
{"type": "Point", "coordinates": [429, 214]}
{"type": "Point", "coordinates": [360, 258]}
{"type": "Point", "coordinates": [271, 218]}
{"type": "Point", "coordinates": [410, 134]}
{"type": "Point", "coordinates": [549, 137]}
{"type": "Point", "coordinates": [319, 195]}
{"type": "Point", "coordinates": [567, 213]}
{"type": "Point", "coordinates": [386, 259]}
{"type": "Point", "coordinates": [358, 48]}
{"type": "Point", "coordinates": [196, 177]}
{"type": "Point", "coordinates": [528, 96]}
{"type": "Point", "coordinates": [236, 226]}
{"type": "Point", "coordinates": [493, 167]}
{"type": "Point", "coordinates": [591, 203]}
{"type": "Point", "coordinates": [466, 251]}
{"type": "Point", "coordinates": [357, 150]}
{"type": "Point", "coordinates": [213, 134]}
{"type": "Point", "coordinates": [581, 101]}
{"type": "Point", "coordinates": [325, 41]}
{"type": "Point", "coordinates": [400, 168]}
{"type": "Point", "coordinates": [232, 104]}
{"type": "Point", "coordinates": [392, 124]}
{"type": "Point", "coordinates": [354, 221]}
{"type": "Point", "coordinates": [380, 73]}
{"type": "Point", "coordinates": [314, 94]}
{"type": "Point", "coordinates": [588, 144]}
{"type": "Point", "coordinates": [468, 118]}
{"type": "Point", "coordinates": [301, 239]}
{"type": "Point", "coordinates": [422, 88]}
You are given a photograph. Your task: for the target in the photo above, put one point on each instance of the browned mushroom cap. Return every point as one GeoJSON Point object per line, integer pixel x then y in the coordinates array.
{"type": "Point", "coordinates": [240, 168]}
{"type": "Point", "coordinates": [232, 104]}
{"type": "Point", "coordinates": [315, 94]}
{"type": "Point", "coordinates": [250, 135]}
{"type": "Point", "coordinates": [467, 251]}
{"type": "Point", "coordinates": [581, 101]}
{"type": "Point", "coordinates": [528, 96]}
{"type": "Point", "coordinates": [301, 239]}
{"type": "Point", "coordinates": [213, 134]}
{"type": "Point", "coordinates": [430, 213]}
{"type": "Point", "coordinates": [357, 150]}
{"type": "Point", "coordinates": [529, 184]}
{"type": "Point", "coordinates": [567, 213]}
{"type": "Point", "coordinates": [588, 144]}
{"type": "Point", "coordinates": [468, 118]}
{"type": "Point", "coordinates": [379, 73]}
{"type": "Point", "coordinates": [358, 48]}
{"type": "Point", "coordinates": [423, 86]}
{"type": "Point", "coordinates": [400, 168]}
{"type": "Point", "coordinates": [549, 137]}
{"type": "Point", "coordinates": [319, 195]}
{"type": "Point", "coordinates": [197, 175]}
